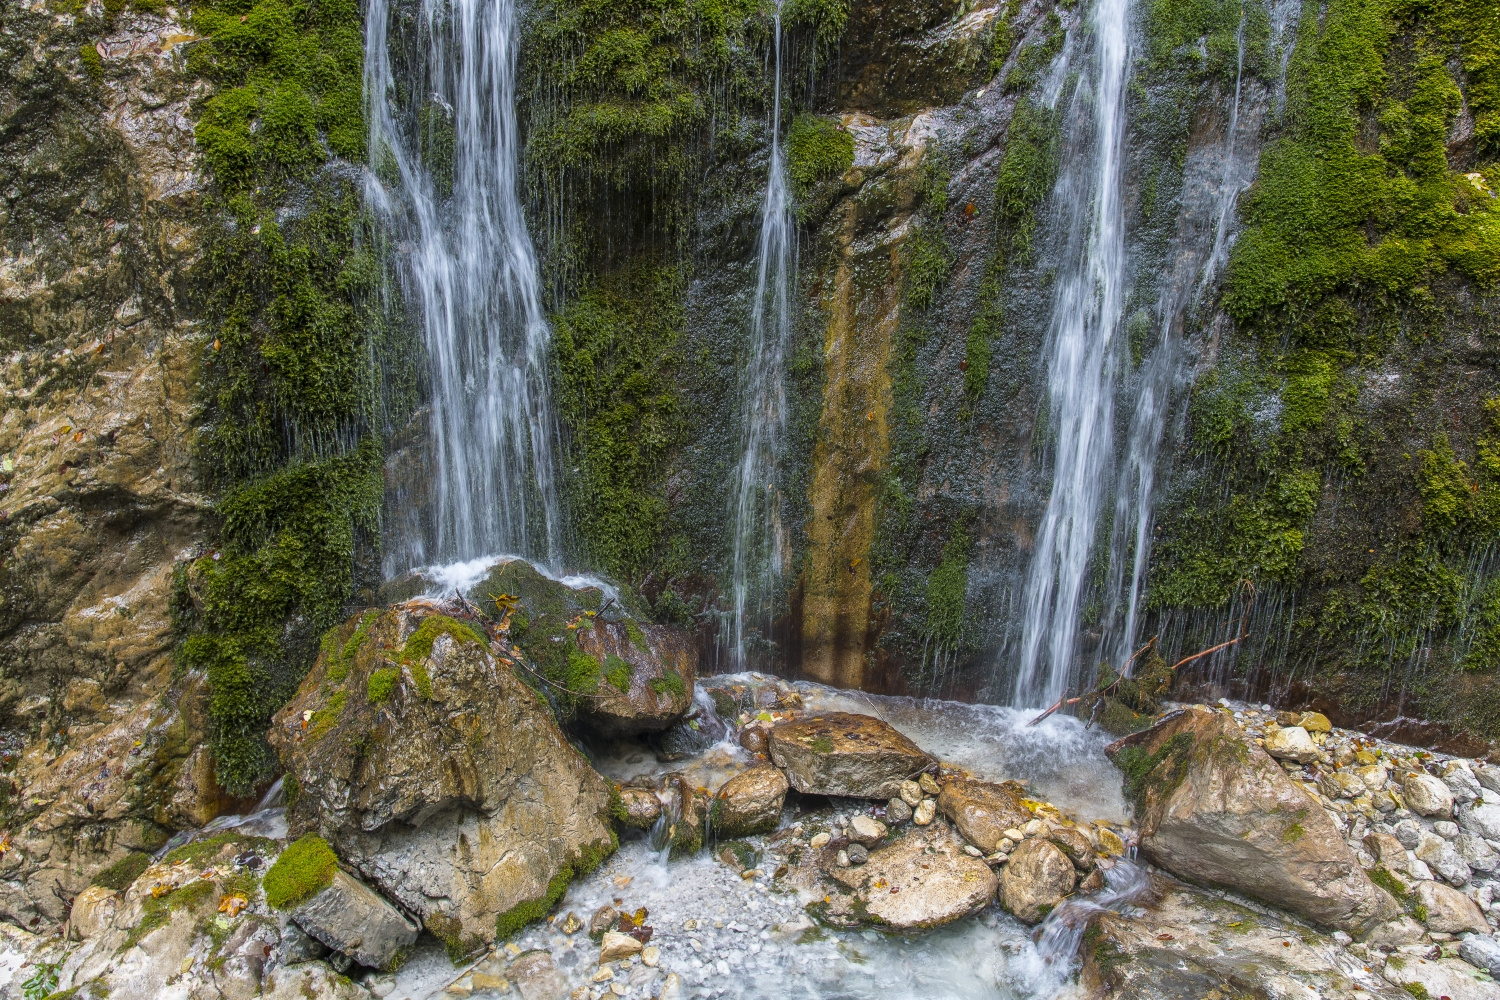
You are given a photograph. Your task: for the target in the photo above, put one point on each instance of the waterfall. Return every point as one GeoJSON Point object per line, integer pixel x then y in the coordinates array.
{"type": "Point", "coordinates": [1083, 349]}
{"type": "Point", "coordinates": [755, 508]}
{"type": "Point", "coordinates": [445, 150]}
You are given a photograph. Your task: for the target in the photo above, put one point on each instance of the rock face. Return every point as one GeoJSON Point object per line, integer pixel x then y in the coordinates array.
{"type": "Point", "coordinates": [840, 753]}
{"type": "Point", "coordinates": [982, 811]}
{"type": "Point", "coordinates": [349, 917]}
{"type": "Point", "coordinates": [921, 881]}
{"type": "Point", "coordinates": [1212, 807]}
{"type": "Point", "coordinates": [750, 802]}
{"type": "Point", "coordinates": [648, 672]}
{"type": "Point", "coordinates": [1037, 878]}
{"type": "Point", "coordinates": [437, 774]}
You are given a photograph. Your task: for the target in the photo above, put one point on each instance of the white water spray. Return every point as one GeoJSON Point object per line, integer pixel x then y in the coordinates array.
{"type": "Point", "coordinates": [447, 177]}
{"type": "Point", "coordinates": [756, 561]}
{"type": "Point", "coordinates": [1082, 362]}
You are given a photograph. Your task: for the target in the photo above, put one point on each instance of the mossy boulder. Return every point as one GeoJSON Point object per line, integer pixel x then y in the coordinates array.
{"type": "Point", "coordinates": [647, 676]}
{"type": "Point", "coordinates": [842, 753]}
{"type": "Point", "coordinates": [1213, 807]}
{"type": "Point", "coordinates": [448, 786]}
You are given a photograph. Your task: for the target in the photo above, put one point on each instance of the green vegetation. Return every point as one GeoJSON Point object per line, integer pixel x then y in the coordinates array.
{"type": "Point", "coordinates": [926, 267]}
{"type": "Point", "coordinates": [529, 911]}
{"type": "Point", "coordinates": [1153, 776]}
{"type": "Point", "coordinates": [302, 871]}
{"type": "Point", "coordinates": [157, 910]}
{"type": "Point", "coordinates": [93, 63]}
{"type": "Point", "coordinates": [1036, 57]}
{"type": "Point", "coordinates": [418, 645]}
{"type": "Point", "coordinates": [119, 875]}
{"type": "Point", "coordinates": [816, 149]}
{"type": "Point", "coordinates": [946, 589]}
{"type": "Point", "coordinates": [616, 347]}
{"type": "Point", "coordinates": [1200, 38]}
{"type": "Point", "coordinates": [670, 682]}
{"type": "Point", "coordinates": [618, 672]}
{"type": "Point", "coordinates": [1417, 990]}
{"type": "Point", "coordinates": [382, 684]}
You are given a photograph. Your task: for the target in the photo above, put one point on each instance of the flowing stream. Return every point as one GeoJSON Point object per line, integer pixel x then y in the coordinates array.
{"type": "Point", "coordinates": [756, 514]}
{"type": "Point", "coordinates": [1082, 359]}
{"type": "Point", "coordinates": [445, 154]}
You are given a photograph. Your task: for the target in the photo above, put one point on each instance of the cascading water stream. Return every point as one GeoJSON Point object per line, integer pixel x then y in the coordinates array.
{"type": "Point", "coordinates": [756, 561]}
{"type": "Point", "coordinates": [445, 154]}
{"type": "Point", "coordinates": [1082, 360]}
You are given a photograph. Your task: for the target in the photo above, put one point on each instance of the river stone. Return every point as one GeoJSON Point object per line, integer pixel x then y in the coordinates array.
{"type": "Point", "coordinates": [1292, 743]}
{"type": "Point", "coordinates": [982, 811]}
{"type": "Point", "coordinates": [1395, 933]}
{"type": "Point", "coordinates": [1213, 807]}
{"type": "Point", "coordinates": [1477, 854]}
{"type": "Point", "coordinates": [616, 946]}
{"type": "Point", "coordinates": [921, 881]}
{"type": "Point", "coordinates": [1426, 795]}
{"type": "Point", "coordinates": [350, 917]}
{"type": "Point", "coordinates": [647, 677]}
{"type": "Point", "coordinates": [750, 802]}
{"type": "Point", "coordinates": [1438, 977]}
{"type": "Point", "coordinates": [1443, 858]}
{"type": "Point", "coordinates": [1482, 952]}
{"type": "Point", "coordinates": [454, 793]}
{"type": "Point", "coordinates": [1075, 844]}
{"type": "Point", "coordinates": [93, 910]}
{"type": "Point", "coordinates": [639, 807]}
{"type": "Point", "coordinates": [536, 976]}
{"type": "Point", "coordinates": [1448, 910]}
{"type": "Point", "coordinates": [1038, 877]}
{"type": "Point", "coordinates": [897, 811]}
{"type": "Point", "coordinates": [840, 753]}
{"type": "Point", "coordinates": [1488, 776]}
{"type": "Point", "coordinates": [866, 830]}
{"type": "Point", "coordinates": [1315, 722]}
{"type": "Point", "coordinates": [1460, 779]}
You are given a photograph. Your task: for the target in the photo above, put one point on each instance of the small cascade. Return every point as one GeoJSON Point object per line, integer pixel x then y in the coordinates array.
{"type": "Point", "coordinates": [1128, 883]}
{"type": "Point", "coordinates": [756, 515]}
{"type": "Point", "coordinates": [445, 157]}
{"type": "Point", "coordinates": [1083, 358]}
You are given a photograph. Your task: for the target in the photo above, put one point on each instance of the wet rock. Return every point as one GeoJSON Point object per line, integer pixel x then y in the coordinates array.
{"type": "Point", "coordinates": [819, 841]}
{"type": "Point", "coordinates": [897, 811]}
{"type": "Point", "coordinates": [918, 882]}
{"type": "Point", "coordinates": [756, 740]}
{"type": "Point", "coordinates": [689, 735]}
{"type": "Point", "coordinates": [639, 807]}
{"type": "Point", "coordinates": [299, 946]}
{"type": "Point", "coordinates": [1441, 977]}
{"type": "Point", "coordinates": [436, 773]}
{"type": "Point", "coordinates": [1448, 910]}
{"type": "Point", "coordinates": [647, 671]}
{"type": "Point", "coordinates": [1074, 845]}
{"type": "Point", "coordinates": [911, 793]}
{"type": "Point", "coordinates": [1212, 807]}
{"type": "Point", "coordinates": [616, 946]}
{"type": "Point", "coordinates": [1482, 952]}
{"type": "Point", "coordinates": [1038, 877]}
{"type": "Point", "coordinates": [536, 976]}
{"type": "Point", "coordinates": [1426, 795]}
{"type": "Point", "coordinates": [93, 910]}
{"type": "Point", "coordinates": [866, 830]}
{"type": "Point", "coordinates": [688, 807]}
{"type": "Point", "coordinates": [982, 811]}
{"type": "Point", "coordinates": [929, 784]}
{"type": "Point", "coordinates": [350, 917]}
{"type": "Point", "coordinates": [844, 754]}
{"type": "Point", "coordinates": [858, 854]}
{"type": "Point", "coordinates": [925, 812]}
{"type": "Point", "coordinates": [750, 802]}
{"type": "Point", "coordinates": [603, 919]}
{"type": "Point", "coordinates": [1314, 722]}
{"type": "Point", "coordinates": [1292, 743]}
{"type": "Point", "coordinates": [1341, 785]}
{"type": "Point", "coordinates": [311, 981]}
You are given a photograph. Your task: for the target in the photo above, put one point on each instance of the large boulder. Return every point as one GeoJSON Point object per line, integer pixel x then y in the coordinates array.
{"type": "Point", "coordinates": [841, 753]}
{"type": "Point", "coordinates": [1427, 796]}
{"type": "Point", "coordinates": [1037, 878]}
{"type": "Point", "coordinates": [438, 775]}
{"type": "Point", "coordinates": [1213, 807]}
{"type": "Point", "coordinates": [646, 674]}
{"type": "Point", "coordinates": [982, 811]}
{"type": "Point", "coordinates": [1448, 911]}
{"type": "Point", "coordinates": [921, 881]}
{"type": "Point", "coordinates": [750, 802]}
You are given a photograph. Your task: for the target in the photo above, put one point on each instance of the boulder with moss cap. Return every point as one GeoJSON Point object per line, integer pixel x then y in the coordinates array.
{"type": "Point", "coordinates": [449, 789]}
{"type": "Point", "coordinates": [336, 908]}
{"type": "Point", "coordinates": [1213, 807]}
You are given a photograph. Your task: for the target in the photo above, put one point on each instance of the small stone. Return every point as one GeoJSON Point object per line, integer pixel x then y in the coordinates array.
{"type": "Point", "coordinates": [897, 811]}
{"type": "Point", "coordinates": [929, 784]}
{"type": "Point", "coordinates": [1446, 829]}
{"type": "Point", "coordinates": [617, 946]}
{"type": "Point", "coordinates": [858, 854]}
{"type": "Point", "coordinates": [1005, 846]}
{"type": "Point", "coordinates": [1460, 779]}
{"type": "Point", "coordinates": [1110, 844]}
{"type": "Point", "coordinates": [603, 919]}
{"type": "Point", "coordinates": [671, 987]}
{"type": "Point", "coordinates": [1364, 757]}
{"type": "Point", "coordinates": [973, 851]}
{"type": "Point", "coordinates": [819, 841]}
{"type": "Point", "coordinates": [604, 975]}
{"type": "Point", "coordinates": [911, 793]}
{"type": "Point", "coordinates": [1292, 743]}
{"type": "Point", "coordinates": [1426, 795]}
{"type": "Point", "coordinates": [1034, 828]}
{"type": "Point", "coordinates": [489, 981]}
{"type": "Point", "coordinates": [1315, 722]}
{"type": "Point", "coordinates": [1409, 834]}
{"type": "Point", "coordinates": [619, 989]}
{"type": "Point", "coordinates": [754, 739]}
{"type": "Point", "coordinates": [842, 859]}
{"type": "Point", "coordinates": [570, 924]}
{"type": "Point", "coordinates": [925, 811]}
{"type": "Point", "coordinates": [1482, 952]}
{"type": "Point", "coordinates": [650, 956]}
{"type": "Point", "coordinates": [1014, 836]}
{"type": "Point", "coordinates": [866, 830]}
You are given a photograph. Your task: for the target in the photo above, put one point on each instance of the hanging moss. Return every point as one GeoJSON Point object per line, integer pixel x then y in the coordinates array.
{"type": "Point", "coordinates": [946, 589]}
{"type": "Point", "coordinates": [816, 149]}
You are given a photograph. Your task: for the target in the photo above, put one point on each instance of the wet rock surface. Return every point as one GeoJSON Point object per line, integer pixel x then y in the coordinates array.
{"type": "Point", "coordinates": [844, 754]}
{"type": "Point", "coordinates": [1038, 877]}
{"type": "Point", "coordinates": [981, 810]}
{"type": "Point", "coordinates": [349, 917]}
{"type": "Point", "coordinates": [921, 881]}
{"type": "Point", "coordinates": [649, 672]}
{"type": "Point", "coordinates": [750, 802]}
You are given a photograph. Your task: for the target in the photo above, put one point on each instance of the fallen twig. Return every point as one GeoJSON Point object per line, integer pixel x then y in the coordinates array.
{"type": "Point", "coordinates": [1211, 649]}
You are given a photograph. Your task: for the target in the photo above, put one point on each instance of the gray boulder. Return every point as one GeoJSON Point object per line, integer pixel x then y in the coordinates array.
{"type": "Point", "coordinates": [1481, 819]}
{"type": "Point", "coordinates": [350, 917]}
{"type": "Point", "coordinates": [1426, 795]}
{"type": "Point", "coordinates": [921, 881]}
{"type": "Point", "coordinates": [1482, 952]}
{"type": "Point", "coordinates": [750, 802]}
{"type": "Point", "coordinates": [1448, 910]}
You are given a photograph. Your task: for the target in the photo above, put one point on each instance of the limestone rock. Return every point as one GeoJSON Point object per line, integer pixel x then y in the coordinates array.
{"type": "Point", "coordinates": [865, 830]}
{"type": "Point", "coordinates": [616, 946]}
{"type": "Point", "coordinates": [918, 882]}
{"type": "Point", "coordinates": [925, 812]}
{"type": "Point", "coordinates": [1488, 776]}
{"type": "Point", "coordinates": [1292, 743]}
{"type": "Point", "coordinates": [536, 976]}
{"type": "Point", "coordinates": [1426, 795]}
{"type": "Point", "coordinates": [640, 807]}
{"type": "Point", "coordinates": [897, 811]}
{"type": "Point", "coordinates": [1341, 785]}
{"type": "Point", "coordinates": [982, 811]}
{"type": "Point", "coordinates": [1438, 977]}
{"type": "Point", "coordinates": [1395, 933]}
{"type": "Point", "coordinates": [1477, 854]}
{"type": "Point", "coordinates": [1459, 776]}
{"type": "Point", "coordinates": [311, 981]}
{"type": "Point", "coordinates": [1482, 952]}
{"type": "Point", "coordinates": [648, 673]}
{"type": "Point", "coordinates": [1213, 807]}
{"type": "Point", "coordinates": [1315, 722]}
{"type": "Point", "coordinates": [911, 793]}
{"type": "Point", "coordinates": [1449, 910]}
{"type": "Point", "coordinates": [437, 773]}
{"type": "Point", "coordinates": [1443, 858]}
{"type": "Point", "coordinates": [1482, 819]}
{"type": "Point", "coordinates": [750, 802]}
{"type": "Point", "coordinates": [350, 917]}
{"type": "Point", "coordinates": [1073, 843]}
{"type": "Point", "coordinates": [1038, 877]}
{"type": "Point", "coordinates": [840, 753]}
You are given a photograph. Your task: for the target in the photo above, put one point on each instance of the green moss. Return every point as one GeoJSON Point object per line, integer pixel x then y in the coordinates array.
{"type": "Point", "coordinates": [926, 268]}
{"type": "Point", "coordinates": [157, 910]}
{"type": "Point", "coordinates": [617, 672]}
{"type": "Point", "coordinates": [93, 63]}
{"type": "Point", "coordinates": [418, 645]}
{"type": "Point", "coordinates": [382, 684]}
{"type": "Point", "coordinates": [1200, 38]}
{"type": "Point", "coordinates": [1293, 833]}
{"type": "Point", "coordinates": [529, 911]}
{"type": "Point", "coordinates": [617, 352]}
{"type": "Point", "coordinates": [821, 744]}
{"type": "Point", "coordinates": [636, 636]}
{"type": "Point", "coordinates": [119, 875]}
{"type": "Point", "coordinates": [201, 852]}
{"type": "Point", "coordinates": [1027, 174]}
{"type": "Point", "coordinates": [816, 150]}
{"type": "Point", "coordinates": [1034, 58]}
{"type": "Point", "coordinates": [670, 682]}
{"type": "Point", "coordinates": [324, 719]}
{"type": "Point", "coordinates": [1154, 776]}
{"type": "Point", "coordinates": [947, 588]}
{"type": "Point", "coordinates": [583, 672]}
{"type": "Point", "coordinates": [302, 871]}
{"type": "Point", "coordinates": [1417, 990]}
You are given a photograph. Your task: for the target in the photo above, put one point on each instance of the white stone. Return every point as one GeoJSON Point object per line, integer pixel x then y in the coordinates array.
{"type": "Point", "coordinates": [925, 812]}
{"type": "Point", "coordinates": [1292, 743]}
{"type": "Point", "coordinates": [1426, 795]}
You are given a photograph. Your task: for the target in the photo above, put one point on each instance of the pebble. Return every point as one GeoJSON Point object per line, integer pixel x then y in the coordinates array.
{"type": "Point", "coordinates": [842, 860]}
{"type": "Point", "coordinates": [650, 956]}
{"type": "Point", "coordinates": [911, 793]}
{"type": "Point", "coordinates": [897, 811]}
{"type": "Point", "coordinates": [973, 851]}
{"type": "Point", "coordinates": [929, 784]}
{"type": "Point", "coordinates": [819, 841]}
{"type": "Point", "coordinates": [1014, 836]}
{"type": "Point", "coordinates": [1034, 828]}
{"type": "Point", "coordinates": [858, 854]}
{"type": "Point", "coordinates": [925, 812]}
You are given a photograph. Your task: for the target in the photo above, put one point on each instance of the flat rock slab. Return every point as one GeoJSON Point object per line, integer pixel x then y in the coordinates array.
{"type": "Point", "coordinates": [1213, 807]}
{"type": "Point", "coordinates": [350, 917]}
{"type": "Point", "coordinates": [982, 811]}
{"type": "Point", "coordinates": [921, 881]}
{"type": "Point", "coordinates": [856, 756]}
{"type": "Point", "coordinates": [1440, 977]}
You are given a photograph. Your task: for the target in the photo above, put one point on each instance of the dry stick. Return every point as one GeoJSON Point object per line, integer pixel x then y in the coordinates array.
{"type": "Point", "coordinates": [1073, 701]}
{"type": "Point", "coordinates": [1211, 649]}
